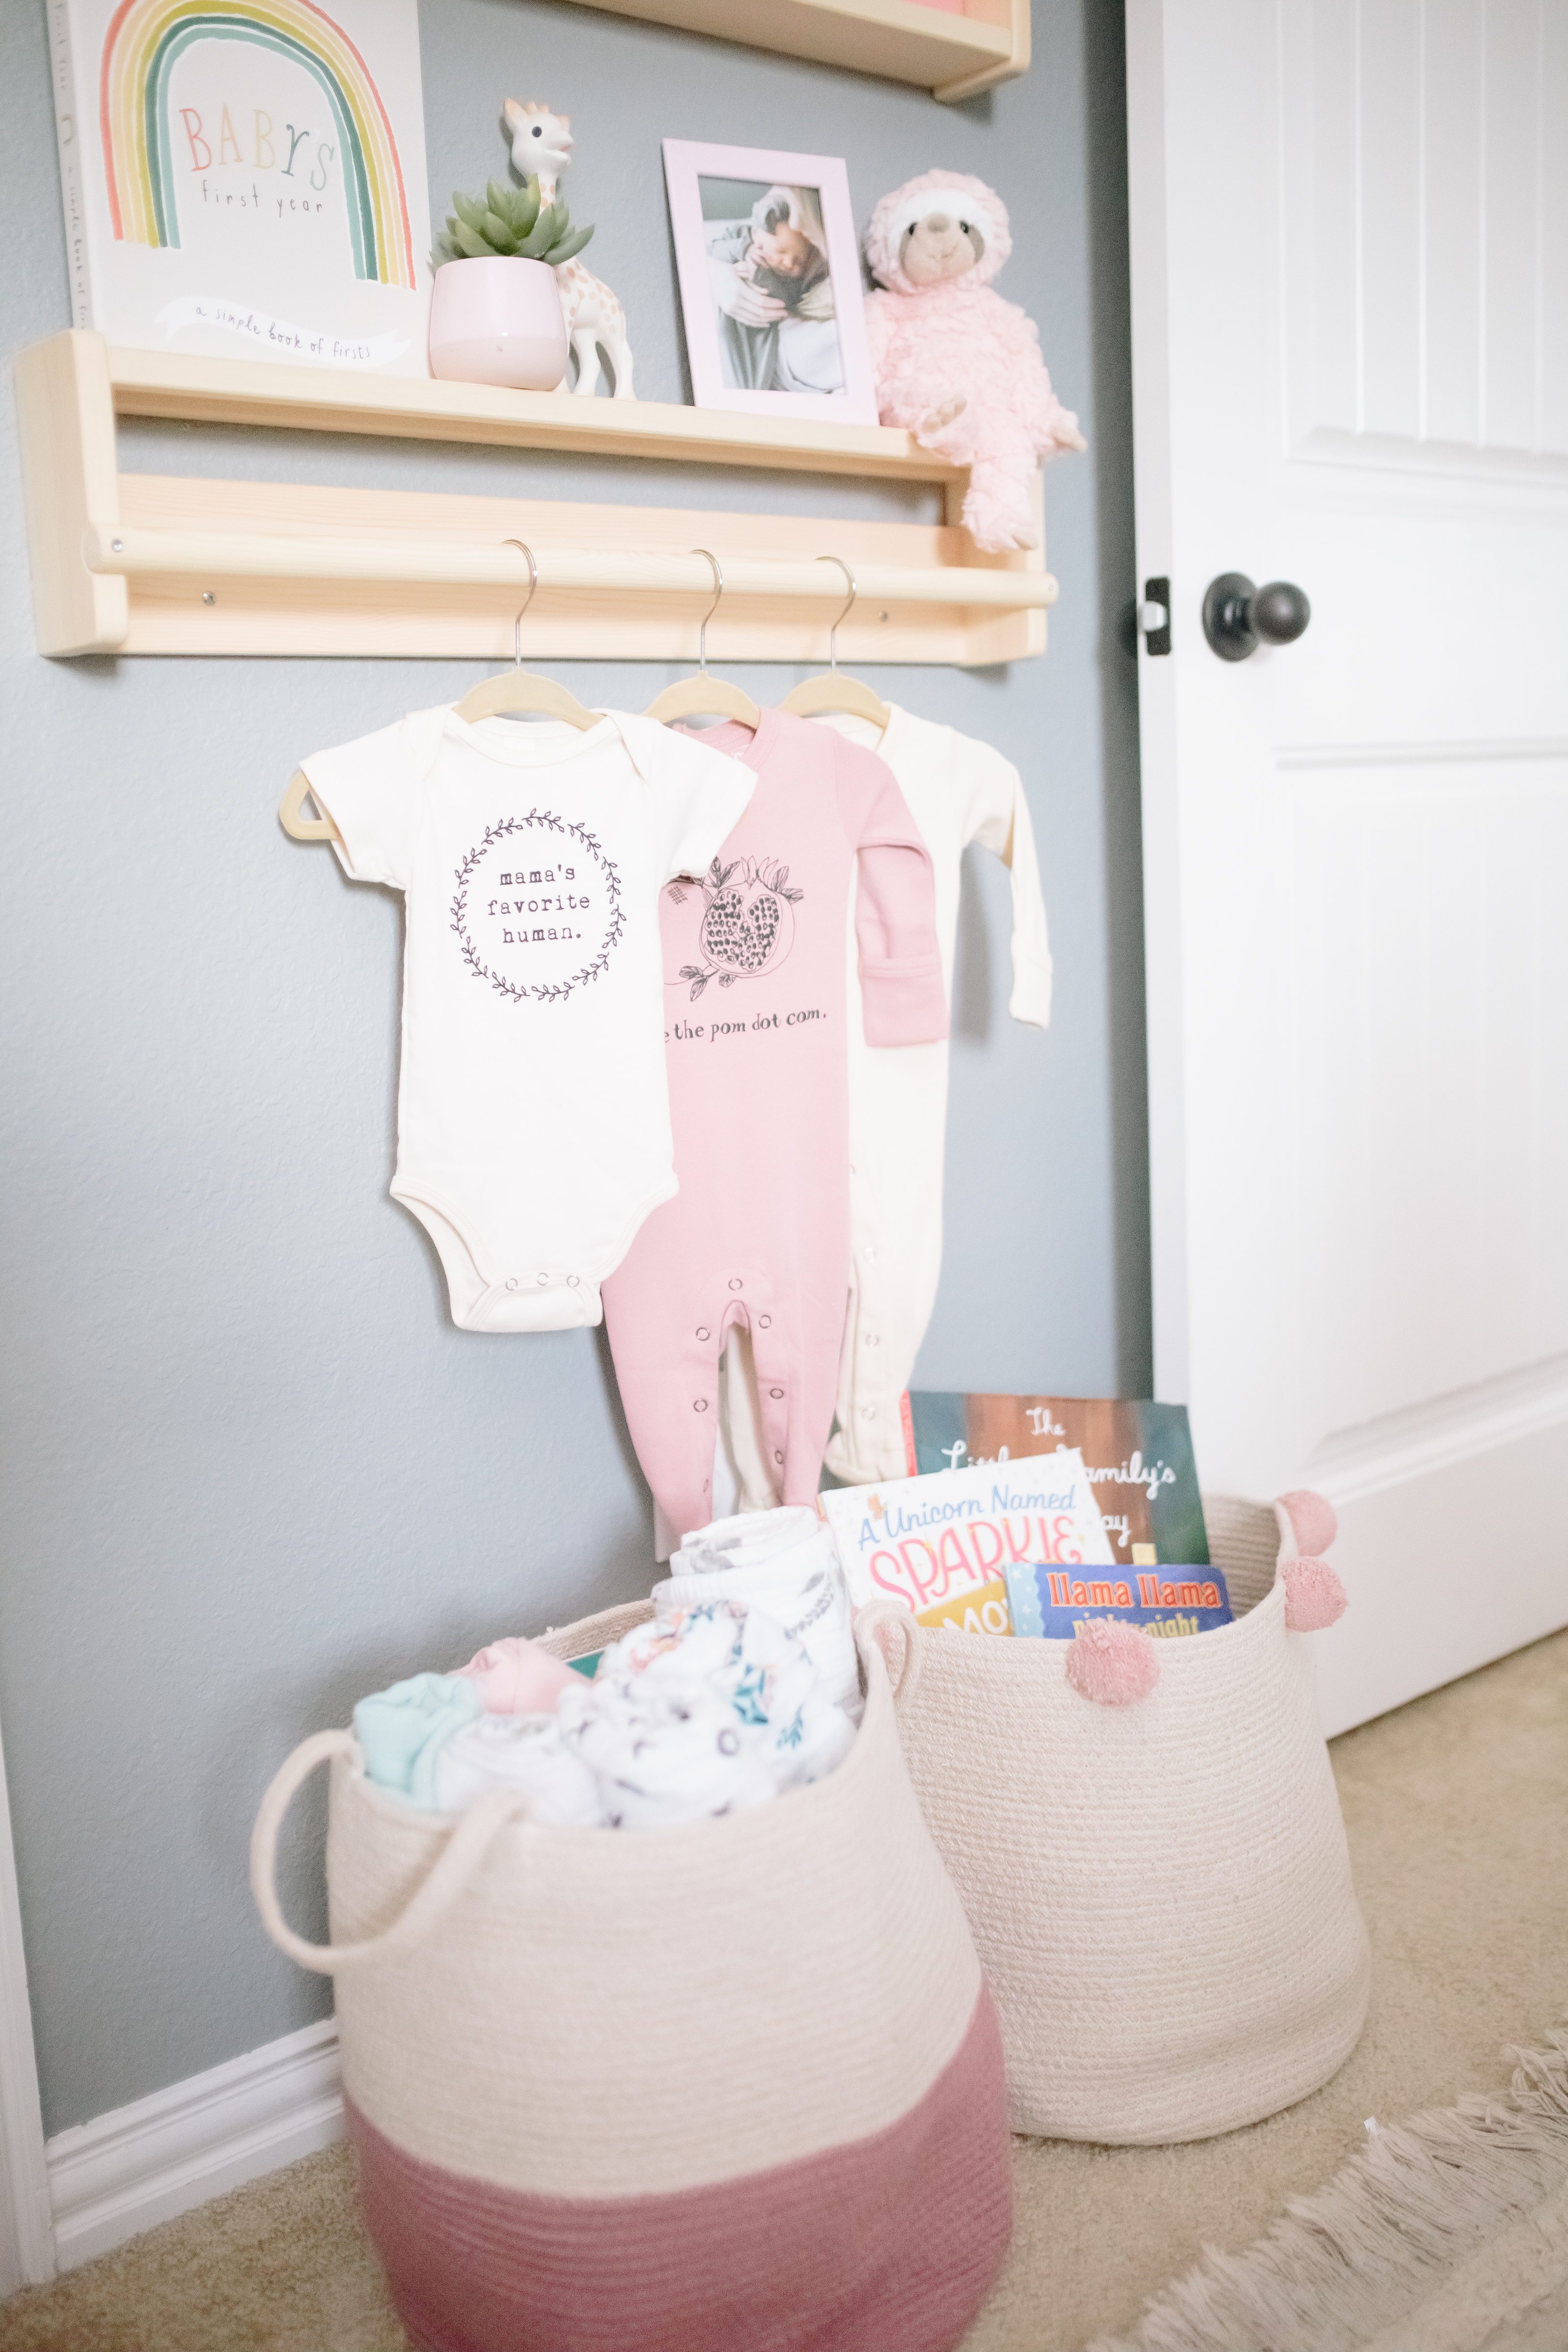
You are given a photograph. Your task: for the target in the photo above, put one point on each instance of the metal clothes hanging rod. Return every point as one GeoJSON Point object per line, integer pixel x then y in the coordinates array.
{"type": "Point", "coordinates": [200, 555]}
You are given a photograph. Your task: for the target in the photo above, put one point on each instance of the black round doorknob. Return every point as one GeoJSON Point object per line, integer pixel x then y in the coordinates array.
{"type": "Point", "coordinates": [1237, 615]}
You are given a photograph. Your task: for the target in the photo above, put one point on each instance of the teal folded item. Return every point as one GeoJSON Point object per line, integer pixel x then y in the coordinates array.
{"type": "Point", "coordinates": [402, 1730]}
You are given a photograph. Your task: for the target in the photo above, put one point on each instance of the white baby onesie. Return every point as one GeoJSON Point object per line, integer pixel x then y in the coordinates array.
{"type": "Point", "coordinates": [957, 792]}
{"type": "Point", "coordinates": [533, 1130]}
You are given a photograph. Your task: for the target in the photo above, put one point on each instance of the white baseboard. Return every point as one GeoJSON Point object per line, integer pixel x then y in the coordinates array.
{"type": "Point", "coordinates": [140, 2165]}
{"type": "Point", "coordinates": [26, 2242]}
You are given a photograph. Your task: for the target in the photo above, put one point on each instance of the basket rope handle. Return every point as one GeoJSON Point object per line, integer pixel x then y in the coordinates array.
{"type": "Point", "coordinates": [464, 1851]}
{"type": "Point", "coordinates": [885, 1626]}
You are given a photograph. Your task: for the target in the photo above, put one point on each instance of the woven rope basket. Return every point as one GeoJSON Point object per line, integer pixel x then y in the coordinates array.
{"type": "Point", "coordinates": [1160, 1891]}
{"type": "Point", "coordinates": [734, 2082]}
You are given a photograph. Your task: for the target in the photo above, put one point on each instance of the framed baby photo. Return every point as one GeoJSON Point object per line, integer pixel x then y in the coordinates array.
{"type": "Point", "coordinates": [769, 281]}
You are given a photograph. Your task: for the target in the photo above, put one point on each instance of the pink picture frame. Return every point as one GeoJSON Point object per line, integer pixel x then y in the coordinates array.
{"type": "Point", "coordinates": [771, 290]}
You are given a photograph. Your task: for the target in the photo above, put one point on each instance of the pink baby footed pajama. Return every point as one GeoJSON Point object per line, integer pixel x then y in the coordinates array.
{"type": "Point", "coordinates": [758, 1233]}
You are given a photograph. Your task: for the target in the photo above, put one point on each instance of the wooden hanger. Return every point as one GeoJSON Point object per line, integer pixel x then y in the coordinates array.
{"type": "Point", "coordinates": [522, 689]}
{"type": "Point", "coordinates": [303, 828]}
{"type": "Point", "coordinates": [514, 689]}
{"type": "Point", "coordinates": [836, 692]}
{"type": "Point", "coordinates": [711, 697]}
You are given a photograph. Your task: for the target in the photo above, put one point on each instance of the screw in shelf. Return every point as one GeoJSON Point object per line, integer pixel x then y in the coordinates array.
{"type": "Point", "coordinates": [118, 546]}
{"type": "Point", "coordinates": [207, 596]}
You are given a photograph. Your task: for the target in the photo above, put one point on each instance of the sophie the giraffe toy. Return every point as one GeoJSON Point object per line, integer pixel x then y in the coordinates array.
{"type": "Point", "coordinates": [541, 145]}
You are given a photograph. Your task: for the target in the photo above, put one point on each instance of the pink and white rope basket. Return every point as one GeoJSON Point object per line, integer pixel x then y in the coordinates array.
{"type": "Point", "coordinates": [1148, 1843]}
{"type": "Point", "coordinates": [738, 2082]}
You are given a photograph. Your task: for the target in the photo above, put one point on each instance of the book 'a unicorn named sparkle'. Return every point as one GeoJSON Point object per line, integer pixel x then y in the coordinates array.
{"type": "Point", "coordinates": [927, 1541]}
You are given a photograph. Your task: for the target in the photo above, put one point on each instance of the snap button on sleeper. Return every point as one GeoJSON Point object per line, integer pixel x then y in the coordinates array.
{"type": "Point", "coordinates": [511, 1282]}
{"type": "Point", "coordinates": [765, 1320]}
{"type": "Point", "coordinates": [775, 1392]}
{"type": "Point", "coordinates": [542, 1277]}
{"type": "Point", "coordinates": [571, 1281]}
{"type": "Point", "coordinates": [702, 1330]}
{"type": "Point", "coordinates": [735, 1282]}
{"type": "Point", "coordinates": [778, 1457]}
{"type": "Point", "coordinates": [699, 1404]}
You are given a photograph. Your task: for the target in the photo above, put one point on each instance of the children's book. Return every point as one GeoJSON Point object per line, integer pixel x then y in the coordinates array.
{"type": "Point", "coordinates": [981, 1609]}
{"type": "Point", "coordinates": [950, 1537]}
{"type": "Point", "coordinates": [247, 181]}
{"type": "Point", "coordinates": [1169, 1601]}
{"type": "Point", "coordinates": [1139, 1456]}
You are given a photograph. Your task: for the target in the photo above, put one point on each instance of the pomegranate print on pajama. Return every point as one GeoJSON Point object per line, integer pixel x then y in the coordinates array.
{"type": "Point", "coordinates": [758, 1233]}
{"type": "Point", "coordinates": [747, 923]}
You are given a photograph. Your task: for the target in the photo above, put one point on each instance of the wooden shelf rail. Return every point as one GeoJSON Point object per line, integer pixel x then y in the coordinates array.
{"type": "Point", "coordinates": [140, 564]}
{"type": "Point", "coordinates": [194, 555]}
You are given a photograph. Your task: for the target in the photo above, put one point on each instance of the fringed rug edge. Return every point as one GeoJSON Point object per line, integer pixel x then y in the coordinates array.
{"type": "Point", "coordinates": [1340, 2267]}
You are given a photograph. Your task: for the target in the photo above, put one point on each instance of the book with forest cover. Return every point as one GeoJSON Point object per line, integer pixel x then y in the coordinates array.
{"type": "Point", "coordinates": [246, 181]}
{"type": "Point", "coordinates": [1138, 1459]}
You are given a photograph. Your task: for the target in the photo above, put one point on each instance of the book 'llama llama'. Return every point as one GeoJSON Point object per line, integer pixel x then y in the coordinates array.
{"type": "Point", "coordinates": [931, 1541]}
{"type": "Point", "coordinates": [1168, 1602]}
{"type": "Point", "coordinates": [247, 181]}
{"type": "Point", "coordinates": [1140, 1458]}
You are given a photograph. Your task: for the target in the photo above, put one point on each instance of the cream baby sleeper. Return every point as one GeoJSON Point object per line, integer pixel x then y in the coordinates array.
{"type": "Point", "coordinates": [533, 1132]}
{"type": "Point", "coordinates": [957, 790]}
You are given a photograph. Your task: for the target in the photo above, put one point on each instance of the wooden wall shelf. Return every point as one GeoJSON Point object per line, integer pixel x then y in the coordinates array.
{"type": "Point", "coordinates": [952, 57]}
{"type": "Point", "coordinates": [318, 400]}
{"type": "Point", "coordinates": [138, 563]}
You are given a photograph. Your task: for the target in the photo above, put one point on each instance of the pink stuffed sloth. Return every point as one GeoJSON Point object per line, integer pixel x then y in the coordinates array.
{"type": "Point", "coordinates": [955, 364]}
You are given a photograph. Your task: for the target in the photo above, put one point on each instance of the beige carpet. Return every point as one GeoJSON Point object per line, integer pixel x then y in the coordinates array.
{"type": "Point", "coordinates": [1458, 1808]}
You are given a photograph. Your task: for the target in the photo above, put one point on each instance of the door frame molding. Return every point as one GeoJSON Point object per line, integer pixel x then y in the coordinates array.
{"type": "Point", "coordinates": [27, 2226]}
{"type": "Point", "coordinates": [1154, 528]}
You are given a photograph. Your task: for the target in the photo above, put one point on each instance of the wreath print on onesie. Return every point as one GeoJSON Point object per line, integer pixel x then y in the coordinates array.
{"type": "Point", "coordinates": [747, 924]}
{"type": "Point", "coordinates": [538, 907]}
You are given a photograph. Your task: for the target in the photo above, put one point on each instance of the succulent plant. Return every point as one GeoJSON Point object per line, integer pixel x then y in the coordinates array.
{"type": "Point", "coordinates": [512, 222]}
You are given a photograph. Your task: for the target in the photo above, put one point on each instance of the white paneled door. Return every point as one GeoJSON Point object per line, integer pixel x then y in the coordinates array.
{"type": "Point", "coordinates": [1350, 271]}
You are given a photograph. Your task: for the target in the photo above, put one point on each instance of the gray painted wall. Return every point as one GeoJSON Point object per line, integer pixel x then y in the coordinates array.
{"type": "Point", "coordinates": [252, 1470]}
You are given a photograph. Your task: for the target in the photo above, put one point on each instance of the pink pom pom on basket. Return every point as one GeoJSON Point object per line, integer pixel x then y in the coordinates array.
{"type": "Point", "coordinates": [1111, 1663]}
{"type": "Point", "coordinates": [1314, 1596]}
{"type": "Point", "coordinates": [1313, 1520]}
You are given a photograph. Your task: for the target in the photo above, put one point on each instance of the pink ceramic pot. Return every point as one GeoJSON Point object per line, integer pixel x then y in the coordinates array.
{"type": "Point", "coordinates": [497, 321]}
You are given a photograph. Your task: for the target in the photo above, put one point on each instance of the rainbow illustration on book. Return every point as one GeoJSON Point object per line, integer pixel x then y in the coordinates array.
{"type": "Point", "coordinates": [145, 38]}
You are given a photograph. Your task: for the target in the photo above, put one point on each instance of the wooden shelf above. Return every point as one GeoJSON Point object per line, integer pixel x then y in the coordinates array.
{"type": "Point", "coordinates": [316, 400]}
{"type": "Point", "coordinates": [952, 57]}
{"type": "Point", "coordinates": [134, 563]}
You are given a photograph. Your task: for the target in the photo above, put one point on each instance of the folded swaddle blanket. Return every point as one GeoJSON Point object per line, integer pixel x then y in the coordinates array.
{"type": "Point", "coordinates": [710, 1709]}
{"type": "Point", "coordinates": [787, 1562]}
{"type": "Point", "coordinates": [516, 1751]}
